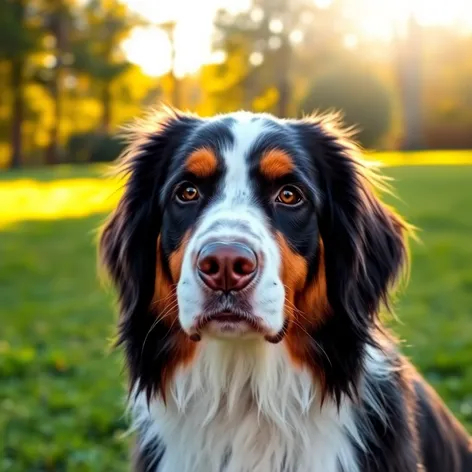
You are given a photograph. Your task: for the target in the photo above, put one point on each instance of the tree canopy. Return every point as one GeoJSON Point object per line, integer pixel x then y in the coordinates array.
{"type": "Point", "coordinates": [64, 74]}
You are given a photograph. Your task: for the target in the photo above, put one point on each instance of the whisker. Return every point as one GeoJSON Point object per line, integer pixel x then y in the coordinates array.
{"type": "Point", "coordinates": [163, 300]}
{"type": "Point", "coordinates": [318, 345]}
{"type": "Point", "coordinates": [297, 323]}
{"type": "Point", "coordinates": [297, 310]}
{"type": "Point", "coordinates": [166, 312]}
{"type": "Point", "coordinates": [170, 328]}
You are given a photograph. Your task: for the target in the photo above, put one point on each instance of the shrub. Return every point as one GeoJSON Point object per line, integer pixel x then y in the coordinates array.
{"type": "Point", "coordinates": [362, 98]}
{"type": "Point", "coordinates": [93, 147]}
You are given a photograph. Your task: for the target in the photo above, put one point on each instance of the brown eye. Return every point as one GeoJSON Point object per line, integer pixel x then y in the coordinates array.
{"type": "Point", "coordinates": [187, 192]}
{"type": "Point", "coordinates": [289, 195]}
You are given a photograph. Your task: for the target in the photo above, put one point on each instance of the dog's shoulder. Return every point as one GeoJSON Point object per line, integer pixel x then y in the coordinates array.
{"type": "Point", "coordinates": [445, 444]}
{"type": "Point", "coordinates": [146, 457]}
{"type": "Point", "coordinates": [405, 425]}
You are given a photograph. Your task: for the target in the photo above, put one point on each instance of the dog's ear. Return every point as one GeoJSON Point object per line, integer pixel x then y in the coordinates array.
{"type": "Point", "coordinates": [128, 241]}
{"type": "Point", "coordinates": [127, 245]}
{"type": "Point", "coordinates": [363, 240]}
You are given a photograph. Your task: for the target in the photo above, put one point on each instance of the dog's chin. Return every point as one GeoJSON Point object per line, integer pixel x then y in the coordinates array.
{"type": "Point", "coordinates": [231, 330]}
{"type": "Point", "coordinates": [230, 326]}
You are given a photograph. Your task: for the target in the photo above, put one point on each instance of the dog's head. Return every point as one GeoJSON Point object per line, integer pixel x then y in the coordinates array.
{"type": "Point", "coordinates": [244, 226]}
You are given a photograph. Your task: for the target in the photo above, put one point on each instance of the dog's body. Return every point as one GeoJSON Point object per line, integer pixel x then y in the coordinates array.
{"type": "Point", "coordinates": [251, 255]}
{"type": "Point", "coordinates": [397, 425]}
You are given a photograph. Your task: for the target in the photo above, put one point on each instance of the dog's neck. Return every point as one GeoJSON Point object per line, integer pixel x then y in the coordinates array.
{"type": "Point", "coordinates": [246, 406]}
{"type": "Point", "coordinates": [256, 375]}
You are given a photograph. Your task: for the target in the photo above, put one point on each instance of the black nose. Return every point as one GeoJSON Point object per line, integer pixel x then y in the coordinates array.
{"type": "Point", "coordinates": [227, 266]}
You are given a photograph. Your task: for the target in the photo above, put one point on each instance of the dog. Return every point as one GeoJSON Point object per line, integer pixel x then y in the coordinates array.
{"type": "Point", "coordinates": [252, 256]}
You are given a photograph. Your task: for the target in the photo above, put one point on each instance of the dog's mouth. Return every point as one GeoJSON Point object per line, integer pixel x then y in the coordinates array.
{"type": "Point", "coordinates": [231, 324]}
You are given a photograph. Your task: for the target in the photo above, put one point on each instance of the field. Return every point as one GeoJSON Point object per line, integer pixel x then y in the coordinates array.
{"type": "Point", "coordinates": [61, 386]}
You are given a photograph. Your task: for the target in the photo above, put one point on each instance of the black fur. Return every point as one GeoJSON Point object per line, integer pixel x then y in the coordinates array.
{"type": "Point", "coordinates": [415, 432]}
{"type": "Point", "coordinates": [444, 442]}
{"type": "Point", "coordinates": [299, 226]}
{"type": "Point", "coordinates": [128, 243]}
{"type": "Point", "coordinates": [364, 253]}
{"type": "Point", "coordinates": [390, 438]}
{"type": "Point", "coordinates": [128, 248]}
{"type": "Point", "coordinates": [145, 458]}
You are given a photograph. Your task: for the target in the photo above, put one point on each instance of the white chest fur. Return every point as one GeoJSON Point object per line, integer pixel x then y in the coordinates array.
{"type": "Point", "coordinates": [246, 408]}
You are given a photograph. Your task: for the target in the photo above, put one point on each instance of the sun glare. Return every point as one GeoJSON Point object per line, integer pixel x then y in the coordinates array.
{"type": "Point", "coordinates": [149, 47]}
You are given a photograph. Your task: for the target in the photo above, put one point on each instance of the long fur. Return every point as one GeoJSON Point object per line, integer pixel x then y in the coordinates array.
{"type": "Point", "coordinates": [335, 395]}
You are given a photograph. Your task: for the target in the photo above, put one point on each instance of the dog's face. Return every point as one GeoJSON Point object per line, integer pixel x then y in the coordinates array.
{"type": "Point", "coordinates": [239, 227]}
{"type": "Point", "coordinates": [248, 227]}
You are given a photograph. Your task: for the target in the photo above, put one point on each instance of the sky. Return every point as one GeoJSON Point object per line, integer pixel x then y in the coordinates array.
{"type": "Point", "coordinates": [149, 47]}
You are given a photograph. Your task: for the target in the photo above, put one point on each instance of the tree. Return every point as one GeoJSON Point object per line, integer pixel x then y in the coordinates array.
{"type": "Point", "coordinates": [447, 92]}
{"type": "Point", "coordinates": [282, 42]}
{"type": "Point", "coordinates": [362, 98]}
{"type": "Point", "coordinates": [409, 80]}
{"type": "Point", "coordinates": [169, 28]}
{"type": "Point", "coordinates": [17, 40]}
{"type": "Point", "coordinates": [261, 37]}
{"type": "Point", "coordinates": [57, 23]}
{"type": "Point", "coordinates": [97, 51]}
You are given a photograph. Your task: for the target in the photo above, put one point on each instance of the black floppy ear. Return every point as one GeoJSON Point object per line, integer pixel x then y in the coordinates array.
{"type": "Point", "coordinates": [364, 246]}
{"type": "Point", "coordinates": [128, 241]}
{"type": "Point", "coordinates": [364, 240]}
{"type": "Point", "coordinates": [127, 245]}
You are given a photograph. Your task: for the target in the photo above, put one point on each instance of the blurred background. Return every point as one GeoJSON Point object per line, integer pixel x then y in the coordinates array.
{"type": "Point", "coordinates": [73, 71]}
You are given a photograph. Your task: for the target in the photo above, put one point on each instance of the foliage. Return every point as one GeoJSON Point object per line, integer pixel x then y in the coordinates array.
{"type": "Point", "coordinates": [68, 48]}
{"type": "Point", "coordinates": [259, 54]}
{"type": "Point", "coordinates": [447, 92]}
{"type": "Point", "coordinates": [62, 392]}
{"type": "Point", "coordinates": [18, 39]}
{"type": "Point", "coordinates": [15, 39]}
{"type": "Point", "coordinates": [363, 99]}
{"type": "Point", "coordinates": [93, 147]}
{"type": "Point", "coordinates": [96, 46]}
{"type": "Point", "coordinates": [63, 70]}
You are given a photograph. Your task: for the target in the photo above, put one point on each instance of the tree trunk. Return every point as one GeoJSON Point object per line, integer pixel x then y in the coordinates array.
{"type": "Point", "coordinates": [174, 80]}
{"type": "Point", "coordinates": [52, 153]}
{"type": "Point", "coordinates": [283, 79]}
{"type": "Point", "coordinates": [106, 107]}
{"type": "Point", "coordinates": [175, 90]}
{"type": "Point", "coordinates": [409, 70]}
{"type": "Point", "coordinates": [284, 61]}
{"type": "Point", "coordinates": [59, 29]}
{"type": "Point", "coordinates": [5, 80]}
{"type": "Point", "coordinates": [169, 28]}
{"type": "Point", "coordinates": [17, 66]}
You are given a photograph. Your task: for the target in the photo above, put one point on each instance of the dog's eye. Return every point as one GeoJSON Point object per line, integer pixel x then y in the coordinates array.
{"type": "Point", "coordinates": [289, 195]}
{"type": "Point", "coordinates": [187, 192]}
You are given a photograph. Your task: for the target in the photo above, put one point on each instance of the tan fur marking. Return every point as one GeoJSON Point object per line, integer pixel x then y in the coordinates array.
{"type": "Point", "coordinates": [294, 267]}
{"type": "Point", "coordinates": [305, 305]}
{"type": "Point", "coordinates": [202, 162]}
{"type": "Point", "coordinates": [177, 257]}
{"type": "Point", "coordinates": [314, 297]}
{"type": "Point", "coordinates": [275, 164]}
{"type": "Point", "coordinates": [165, 300]}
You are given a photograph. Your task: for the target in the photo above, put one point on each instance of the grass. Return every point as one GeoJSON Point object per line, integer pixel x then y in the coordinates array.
{"type": "Point", "coordinates": [61, 391]}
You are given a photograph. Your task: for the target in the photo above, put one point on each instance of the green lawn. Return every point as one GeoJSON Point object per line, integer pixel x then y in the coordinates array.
{"type": "Point", "coordinates": [61, 389]}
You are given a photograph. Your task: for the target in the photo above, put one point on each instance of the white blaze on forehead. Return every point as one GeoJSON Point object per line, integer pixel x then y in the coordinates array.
{"type": "Point", "coordinates": [246, 131]}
